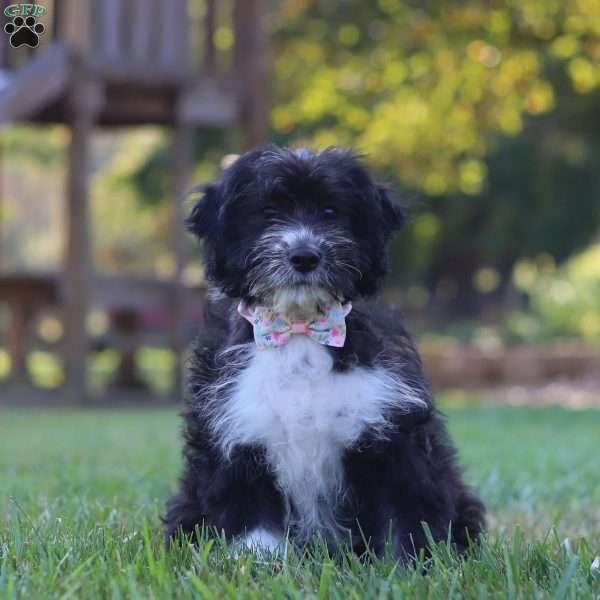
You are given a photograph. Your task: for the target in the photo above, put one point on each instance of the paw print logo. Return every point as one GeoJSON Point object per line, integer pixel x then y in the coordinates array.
{"type": "Point", "coordinates": [24, 32]}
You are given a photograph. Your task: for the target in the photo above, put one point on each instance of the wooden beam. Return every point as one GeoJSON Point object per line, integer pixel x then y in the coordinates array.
{"type": "Point", "coordinates": [251, 70]}
{"type": "Point", "coordinates": [149, 74]}
{"type": "Point", "coordinates": [108, 26]}
{"type": "Point", "coordinates": [16, 341]}
{"type": "Point", "coordinates": [24, 295]}
{"type": "Point", "coordinates": [137, 292]}
{"type": "Point", "coordinates": [210, 52]}
{"type": "Point", "coordinates": [75, 24]}
{"type": "Point", "coordinates": [36, 85]}
{"type": "Point", "coordinates": [2, 202]}
{"type": "Point", "coordinates": [85, 101]}
{"type": "Point", "coordinates": [182, 159]}
{"type": "Point", "coordinates": [135, 108]}
{"type": "Point", "coordinates": [208, 103]}
{"type": "Point", "coordinates": [143, 15]}
{"type": "Point", "coordinates": [174, 42]}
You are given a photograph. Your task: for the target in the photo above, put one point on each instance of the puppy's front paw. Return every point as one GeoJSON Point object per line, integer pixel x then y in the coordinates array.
{"type": "Point", "coordinates": [261, 541]}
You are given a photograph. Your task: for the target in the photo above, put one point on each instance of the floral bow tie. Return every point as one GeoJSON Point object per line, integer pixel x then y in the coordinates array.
{"type": "Point", "coordinates": [272, 328]}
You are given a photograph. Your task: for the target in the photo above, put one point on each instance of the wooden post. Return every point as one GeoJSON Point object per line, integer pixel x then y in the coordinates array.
{"type": "Point", "coordinates": [4, 40]}
{"type": "Point", "coordinates": [251, 70]}
{"type": "Point", "coordinates": [174, 28]}
{"type": "Point", "coordinates": [109, 27]}
{"type": "Point", "coordinates": [84, 104]}
{"type": "Point", "coordinates": [210, 55]}
{"type": "Point", "coordinates": [75, 23]}
{"type": "Point", "coordinates": [2, 203]}
{"type": "Point", "coordinates": [144, 14]}
{"type": "Point", "coordinates": [18, 334]}
{"type": "Point", "coordinates": [4, 65]}
{"type": "Point", "coordinates": [182, 158]}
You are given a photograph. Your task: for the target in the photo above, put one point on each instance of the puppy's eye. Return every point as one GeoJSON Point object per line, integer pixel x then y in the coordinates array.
{"type": "Point", "coordinates": [330, 212]}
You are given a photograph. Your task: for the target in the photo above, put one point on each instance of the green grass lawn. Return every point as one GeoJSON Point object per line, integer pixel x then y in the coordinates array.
{"type": "Point", "coordinates": [81, 494]}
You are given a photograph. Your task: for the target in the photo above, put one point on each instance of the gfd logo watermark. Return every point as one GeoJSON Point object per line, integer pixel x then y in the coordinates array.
{"type": "Point", "coordinates": [24, 30]}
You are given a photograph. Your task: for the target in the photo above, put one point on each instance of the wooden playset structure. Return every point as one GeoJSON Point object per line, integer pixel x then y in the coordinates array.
{"type": "Point", "coordinates": [122, 63]}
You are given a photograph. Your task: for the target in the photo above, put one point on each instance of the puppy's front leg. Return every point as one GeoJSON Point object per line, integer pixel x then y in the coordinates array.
{"type": "Point", "coordinates": [408, 480]}
{"type": "Point", "coordinates": [262, 540]}
{"type": "Point", "coordinates": [235, 496]}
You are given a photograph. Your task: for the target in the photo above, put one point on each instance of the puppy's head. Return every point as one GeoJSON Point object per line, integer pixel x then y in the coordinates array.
{"type": "Point", "coordinates": [295, 227]}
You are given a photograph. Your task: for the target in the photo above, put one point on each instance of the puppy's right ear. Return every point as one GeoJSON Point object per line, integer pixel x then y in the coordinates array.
{"type": "Point", "coordinates": [394, 215]}
{"type": "Point", "coordinates": [205, 215]}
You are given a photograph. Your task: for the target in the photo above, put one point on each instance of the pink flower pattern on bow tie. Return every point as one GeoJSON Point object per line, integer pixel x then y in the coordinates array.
{"type": "Point", "coordinates": [273, 328]}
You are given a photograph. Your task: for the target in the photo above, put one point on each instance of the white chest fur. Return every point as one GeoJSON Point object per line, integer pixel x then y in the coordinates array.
{"type": "Point", "coordinates": [289, 400]}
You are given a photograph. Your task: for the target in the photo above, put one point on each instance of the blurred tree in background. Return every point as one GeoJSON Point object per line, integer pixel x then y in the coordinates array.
{"type": "Point", "coordinates": [489, 113]}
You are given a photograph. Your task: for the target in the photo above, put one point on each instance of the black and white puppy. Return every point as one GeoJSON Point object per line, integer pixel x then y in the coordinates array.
{"type": "Point", "coordinates": [299, 421]}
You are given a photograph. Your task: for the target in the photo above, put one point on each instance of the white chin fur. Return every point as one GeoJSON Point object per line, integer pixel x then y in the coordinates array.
{"type": "Point", "coordinates": [302, 300]}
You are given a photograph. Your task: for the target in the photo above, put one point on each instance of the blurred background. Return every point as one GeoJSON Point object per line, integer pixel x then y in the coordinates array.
{"type": "Point", "coordinates": [484, 116]}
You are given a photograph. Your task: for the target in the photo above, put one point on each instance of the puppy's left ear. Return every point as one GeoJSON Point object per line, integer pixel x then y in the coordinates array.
{"type": "Point", "coordinates": [393, 213]}
{"type": "Point", "coordinates": [202, 221]}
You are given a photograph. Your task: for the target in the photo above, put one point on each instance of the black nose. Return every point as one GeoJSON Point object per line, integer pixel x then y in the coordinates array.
{"type": "Point", "coordinates": [304, 259]}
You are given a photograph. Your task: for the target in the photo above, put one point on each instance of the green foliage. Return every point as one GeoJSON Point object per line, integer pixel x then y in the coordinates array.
{"type": "Point", "coordinates": [83, 491]}
{"type": "Point", "coordinates": [488, 113]}
{"type": "Point", "coordinates": [116, 206]}
{"type": "Point", "coordinates": [422, 89]}
{"type": "Point", "coordinates": [23, 144]}
{"type": "Point", "coordinates": [131, 183]}
{"type": "Point", "coordinates": [150, 178]}
{"type": "Point", "coordinates": [31, 184]}
{"type": "Point", "coordinates": [563, 302]}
